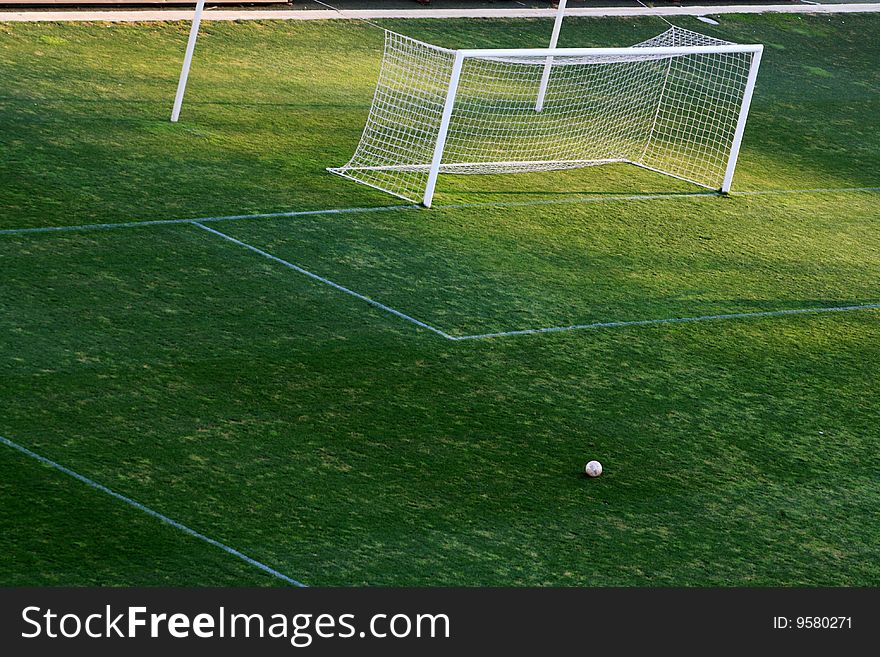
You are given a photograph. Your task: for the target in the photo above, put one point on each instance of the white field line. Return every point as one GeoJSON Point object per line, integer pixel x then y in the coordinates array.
{"type": "Point", "coordinates": [433, 329]}
{"type": "Point", "coordinates": [378, 14]}
{"type": "Point", "coordinates": [671, 320]}
{"type": "Point", "coordinates": [327, 281]}
{"type": "Point", "coordinates": [549, 329]}
{"type": "Point", "coordinates": [815, 190]}
{"type": "Point", "coordinates": [159, 516]}
{"type": "Point", "coordinates": [233, 217]}
{"type": "Point", "coordinates": [577, 200]}
{"type": "Point", "coordinates": [449, 206]}
{"type": "Point", "coordinates": [653, 197]}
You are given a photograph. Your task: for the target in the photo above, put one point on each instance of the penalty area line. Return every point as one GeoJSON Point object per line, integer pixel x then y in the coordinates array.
{"type": "Point", "coordinates": [155, 514]}
{"type": "Point", "coordinates": [549, 329]}
{"type": "Point", "coordinates": [670, 320]}
{"type": "Point", "coordinates": [326, 281]}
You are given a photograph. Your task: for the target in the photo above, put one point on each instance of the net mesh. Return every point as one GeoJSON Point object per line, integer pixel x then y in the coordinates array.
{"type": "Point", "coordinates": [675, 114]}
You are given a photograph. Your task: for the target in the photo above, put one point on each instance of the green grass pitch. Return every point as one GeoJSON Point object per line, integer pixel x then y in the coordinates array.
{"type": "Point", "coordinates": [342, 445]}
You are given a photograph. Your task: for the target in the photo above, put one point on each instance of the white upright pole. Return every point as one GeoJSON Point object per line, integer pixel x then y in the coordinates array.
{"type": "Point", "coordinates": [548, 65]}
{"type": "Point", "coordinates": [741, 122]}
{"type": "Point", "coordinates": [187, 60]}
{"type": "Point", "coordinates": [444, 129]}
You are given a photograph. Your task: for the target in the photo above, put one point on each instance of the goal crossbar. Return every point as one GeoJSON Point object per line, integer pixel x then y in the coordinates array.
{"type": "Point", "coordinates": [675, 104]}
{"type": "Point", "coordinates": [631, 51]}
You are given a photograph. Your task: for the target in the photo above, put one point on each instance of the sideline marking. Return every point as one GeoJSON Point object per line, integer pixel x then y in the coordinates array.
{"type": "Point", "coordinates": [137, 505]}
{"type": "Point", "coordinates": [327, 281]}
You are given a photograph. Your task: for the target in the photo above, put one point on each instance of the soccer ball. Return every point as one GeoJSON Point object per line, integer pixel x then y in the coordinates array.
{"type": "Point", "coordinates": [593, 469]}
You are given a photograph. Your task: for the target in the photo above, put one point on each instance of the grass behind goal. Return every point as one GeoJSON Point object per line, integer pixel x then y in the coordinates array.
{"type": "Point", "coordinates": [261, 122]}
{"type": "Point", "coordinates": [341, 445]}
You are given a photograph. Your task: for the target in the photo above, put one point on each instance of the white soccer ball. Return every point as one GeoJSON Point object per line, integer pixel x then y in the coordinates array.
{"type": "Point", "coordinates": [593, 469]}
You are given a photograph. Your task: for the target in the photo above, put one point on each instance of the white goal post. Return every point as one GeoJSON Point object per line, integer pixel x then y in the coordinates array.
{"type": "Point", "coordinates": [676, 104]}
{"type": "Point", "coordinates": [187, 60]}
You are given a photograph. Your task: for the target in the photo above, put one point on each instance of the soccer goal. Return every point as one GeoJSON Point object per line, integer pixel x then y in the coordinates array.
{"type": "Point", "coordinates": [675, 104]}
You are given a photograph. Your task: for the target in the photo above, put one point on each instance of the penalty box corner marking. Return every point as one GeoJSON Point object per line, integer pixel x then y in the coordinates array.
{"type": "Point", "coordinates": [326, 281]}
{"type": "Point", "coordinates": [540, 330]}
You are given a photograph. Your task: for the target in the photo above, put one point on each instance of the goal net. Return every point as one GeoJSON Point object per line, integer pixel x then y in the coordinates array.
{"type": "Point", "coordinates": [675, 104]}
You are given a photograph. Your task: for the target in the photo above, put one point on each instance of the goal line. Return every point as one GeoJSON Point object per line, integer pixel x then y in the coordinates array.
{"type": "Point", "coordinates": [574, 200]}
